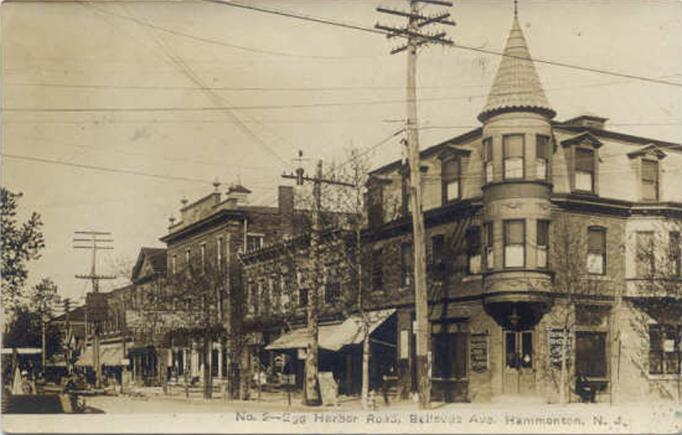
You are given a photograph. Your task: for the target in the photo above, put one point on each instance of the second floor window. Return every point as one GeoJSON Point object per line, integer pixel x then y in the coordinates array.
{"type": "Point", "coordinates": [375, 206]}
{"type": "Point", "coordinates": [377, 270]}
{"type": "Point", "coordinates": [451, 180]}
{"type": "Point", "coordinates": [675, 253]}
{"type": "Point", "coordinates": [543, 242]}
{"type": "Point", "coordinates": [254, 242]}
{"type": "Point", "coordinates": [174, 263]}
{"type": "Point", "coordinates": [645, 257]}
{"type": "Point", "coordinates": [584, 170]}
{"type": "Point", "coordinates": [649, 180]}
{"type": "Point", "coordinates": [513, 156]}
{"type": "Point", "coordinates": [514, 243]}
{"type": "Point", "coordinates": [405, 264]}
{"type": "Point", "coordinates": [596, 250]}
{"type": "Point", "coordinates": [187, 258]}
{"type": "Point", "coordinates": [332, 292]}
{"type": "Point", "coordinates": [488, 166]}
{"type": "Point", "coordinates": [473, 239]}
{"type": "Point", "coordinates": [542, 153]}
{"type": "Point", "coordinates": [438, 256]}
{"type": "Point", "coordinates": [203, 256]}
{"type": "Point", "coordinates": [219, 251]}
{"type": "Point", "coordinates": [303, 297]}
{"type": "Point", "coordinates": [489, 245]}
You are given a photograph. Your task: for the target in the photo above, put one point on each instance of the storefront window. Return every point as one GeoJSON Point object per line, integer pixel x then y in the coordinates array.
{"type": "Point", "coordinates": [664, 349]}
{"type": "Point", "coordinates": [449, 347]}
{"type": "Point", "coordinates": [590, 354]}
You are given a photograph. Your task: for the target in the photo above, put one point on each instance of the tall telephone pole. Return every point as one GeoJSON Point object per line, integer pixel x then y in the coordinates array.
{"type": "Point", "coordinates": [95, 304]}
{"type": "Point", "coordinates": [311, 383]}
{"type": "Point", "coordinates": [415, 37]}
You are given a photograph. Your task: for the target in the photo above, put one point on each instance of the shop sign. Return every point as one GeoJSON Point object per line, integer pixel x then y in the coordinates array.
{"type": "Point", "coordinates": [478, 343]}
{"type": "Point", "coordinates": [556, 343]}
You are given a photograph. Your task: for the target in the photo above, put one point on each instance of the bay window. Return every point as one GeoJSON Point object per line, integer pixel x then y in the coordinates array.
{"type": "Point", "coordinates": [513, 156]}
{"type": "Point", "coordinates": [488, 165]}
{"type": "Point", "coordinates": [542, 242]}
{"type": "Point", "coordinates": [542, 153]}
{"type": "Point", "coordinates": [514, 243]}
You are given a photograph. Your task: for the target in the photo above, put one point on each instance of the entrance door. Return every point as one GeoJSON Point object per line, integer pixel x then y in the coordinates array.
{"type": "Point", "coordinates": [519, 373]}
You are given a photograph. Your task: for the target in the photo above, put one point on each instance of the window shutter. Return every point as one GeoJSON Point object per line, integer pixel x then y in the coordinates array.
{"type": "Point", "coordinates": [513, 146]}
{"type": "Point", "coordinates": [584, 160]}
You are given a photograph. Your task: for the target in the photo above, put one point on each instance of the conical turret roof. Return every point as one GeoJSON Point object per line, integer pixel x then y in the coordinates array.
{"type": "Point", "coordinates": [517, 84]}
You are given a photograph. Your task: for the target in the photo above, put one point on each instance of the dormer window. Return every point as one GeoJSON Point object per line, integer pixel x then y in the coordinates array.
{"type": "Point", "coordinates": [649, 158]}
{"type": "Point", "coordinates": [584, 159]}
{"type": "Point", "coordinates": [584, 170]}
{"type": "Point", "coordinates": [513, 156]}
{"type": "Point", "coordinates": [649, 180]}
{"type": "Point", "coordinates": [451, 175]}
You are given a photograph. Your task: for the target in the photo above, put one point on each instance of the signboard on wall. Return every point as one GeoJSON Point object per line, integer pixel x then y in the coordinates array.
{"type": "Point", "coordinates": [556, 342]}
{"type": "Point", "coordinates": [478, 343]}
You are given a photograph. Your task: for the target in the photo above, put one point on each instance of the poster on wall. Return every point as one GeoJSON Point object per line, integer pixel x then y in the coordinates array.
{"type": "Point", "coordinates": [479, 351]}
{"type": "Point", "coordinates": [556, 341]}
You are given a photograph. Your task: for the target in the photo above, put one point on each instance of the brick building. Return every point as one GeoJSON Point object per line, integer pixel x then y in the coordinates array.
{"type": "Point", "coordinates": [545, 239]}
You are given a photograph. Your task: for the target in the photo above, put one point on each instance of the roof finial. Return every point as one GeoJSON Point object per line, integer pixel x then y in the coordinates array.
{"type": "Point", "coordinates": [516, 8]}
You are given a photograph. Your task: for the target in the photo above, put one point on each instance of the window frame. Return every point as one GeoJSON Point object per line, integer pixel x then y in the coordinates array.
{"type": "Point", "coordinates": [332, 292]}
{"type": "Point", "coordinates": [488, 161]}
{"type": "Point", "coordinates": [604, 262]}
{"type": "Point", "coordinates": [505, 225]}
{"type": "Point", "coordinates": [656, 180]}
{"type": "Point", "coordinates": [664, 329]}
{"type": "Point", "coordinates": [547, 158]}
{"type": "Point", "coordinates": [505, 157]}
{"type": "Point", "coordinates": [675, 253]}
{"type": "Point", "coordinates": [446, 180]}
{"type": "Point", "coordinates": [540, 223]}
{"type": "Point", "coordinates": [474, 251]}
{"type": "Point", "coordinates": [489, 245]}
{"type": "Point", "coordinates": [577, 150]}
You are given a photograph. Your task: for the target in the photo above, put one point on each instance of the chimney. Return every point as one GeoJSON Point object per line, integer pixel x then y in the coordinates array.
{"type": "Point", "coordinates": [285, 202]}
{"type": "Point", "coordinates": [238, 194]}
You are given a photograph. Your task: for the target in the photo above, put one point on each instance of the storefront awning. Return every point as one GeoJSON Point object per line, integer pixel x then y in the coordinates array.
{"type": "Point", "coordinates": [109, 355]}
{"type": "Point", "coordinates": [333, 337]}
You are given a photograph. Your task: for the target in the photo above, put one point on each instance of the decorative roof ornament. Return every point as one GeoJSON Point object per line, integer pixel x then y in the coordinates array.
{"type": "Point", "coordinates": [517, 85]}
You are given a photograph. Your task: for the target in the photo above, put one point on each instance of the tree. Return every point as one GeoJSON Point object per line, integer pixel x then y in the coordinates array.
{"type": "Point", "coordinates": [573, 284]}
{"type": "Point", "coordinates": [44, 299]}
{"type": "Point", "coordinates": [19, 244]}
{"type": "Point", "coordinates": [24, 330]}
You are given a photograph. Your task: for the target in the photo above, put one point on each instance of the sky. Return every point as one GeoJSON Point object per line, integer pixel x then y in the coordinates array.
{"type": "Point", "coordinates": [204, 91]}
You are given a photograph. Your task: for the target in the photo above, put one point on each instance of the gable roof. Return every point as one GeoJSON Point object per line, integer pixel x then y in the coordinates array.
{"type": "Point", "coordinates": [517, 84]}
{"type": "Point", "coordinates": [155, 257]}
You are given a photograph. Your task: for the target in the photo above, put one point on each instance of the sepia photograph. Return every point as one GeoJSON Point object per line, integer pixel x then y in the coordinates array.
{"type": "Point", "coordinates": [341, 216]}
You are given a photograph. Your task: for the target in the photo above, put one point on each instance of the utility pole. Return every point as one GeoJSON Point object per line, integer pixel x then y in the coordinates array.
{"type": "Point", "coordinates": [95, 304]}
{"type": "Point", "coordinates": [416, 20]}
{"type": "Point", "coordinates": [67, 335]}
{"type": "Point", "coordinates": [311, 390]}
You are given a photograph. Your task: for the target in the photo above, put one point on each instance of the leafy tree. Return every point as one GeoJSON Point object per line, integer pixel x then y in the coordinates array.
{"type": "Point", "coordinates": [19, 244]}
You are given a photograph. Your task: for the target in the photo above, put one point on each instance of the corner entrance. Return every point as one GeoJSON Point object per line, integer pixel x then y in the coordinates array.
{"type": "Point", "coordinates": [519, 360]}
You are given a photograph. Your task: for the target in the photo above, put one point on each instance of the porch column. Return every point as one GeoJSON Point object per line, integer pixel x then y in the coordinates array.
{"type": "Point", "coordinates": [220, 359]}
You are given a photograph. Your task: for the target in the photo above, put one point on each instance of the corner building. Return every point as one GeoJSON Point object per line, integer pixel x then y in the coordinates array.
{"type": "Point", "coordinates": [545, 238]}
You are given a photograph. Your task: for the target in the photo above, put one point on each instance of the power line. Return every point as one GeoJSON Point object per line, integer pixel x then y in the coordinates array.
{"type": "Point", "coordinates": [338, 23]}
{"type": "Point", "coordinates": [208, 40]}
